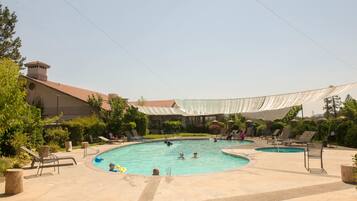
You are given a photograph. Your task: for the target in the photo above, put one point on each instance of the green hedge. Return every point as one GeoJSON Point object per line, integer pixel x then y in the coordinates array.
{"type": "Point", "coordinates": [84, 128]}
{"type": "Point", "coordinates": [172, 126]}
{"type": "Point", "coordinates": [56, 135]}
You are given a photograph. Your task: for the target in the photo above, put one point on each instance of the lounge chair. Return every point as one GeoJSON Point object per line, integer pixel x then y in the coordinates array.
{"type": "Point", "coordinates": [283, 138]}
{"type": "Point", "coordinates": [133, 135]}
{"type": "Point", "coordinates": [313, 151]}
{"type": "Point", "coordinates": [104, 139]}
{"type": "Point", "coordinates": [305, 138]}
{"type": "Point", "coordinates": [51, 158]}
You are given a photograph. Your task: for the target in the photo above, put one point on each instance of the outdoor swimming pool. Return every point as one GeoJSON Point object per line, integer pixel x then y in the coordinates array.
{"type": "Point", "coordinates": [281, 149]}
{"type": "Point", "coordinates": [143, 158]}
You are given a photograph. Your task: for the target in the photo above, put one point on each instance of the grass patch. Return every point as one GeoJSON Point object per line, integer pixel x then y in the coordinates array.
{"type": "Point", "coordinates": [162, 136]}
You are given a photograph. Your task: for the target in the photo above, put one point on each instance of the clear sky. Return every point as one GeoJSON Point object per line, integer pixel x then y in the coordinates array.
{"type": "Point", "coordinates": [162, 49]}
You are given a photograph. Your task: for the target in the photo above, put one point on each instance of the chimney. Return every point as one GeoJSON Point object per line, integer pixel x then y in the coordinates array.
{"type": "Point", "coordinates": [37, 70]}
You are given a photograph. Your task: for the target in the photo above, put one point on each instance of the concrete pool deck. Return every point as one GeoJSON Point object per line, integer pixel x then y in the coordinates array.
{"type": "Point", "coordinates": [269, 177]}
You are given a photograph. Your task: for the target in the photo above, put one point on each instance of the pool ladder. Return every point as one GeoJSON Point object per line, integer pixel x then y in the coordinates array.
{"type": "Point", "coordinates": [168, 171]}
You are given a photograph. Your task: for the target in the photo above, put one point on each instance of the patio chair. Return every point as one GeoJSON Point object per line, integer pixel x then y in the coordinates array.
{"type": "Point", "coordinates": [305, 138]}
{"type": "Point", "coordinates": [283, 138]}
{"type": "Point", "coordinates": [106, 140]}
{"type": "Point", "coordinates": [46, 158]}
{"type": "Point", "coordinates": [313, 151]}
{"type": "Point", "coordinates": [271, 138]}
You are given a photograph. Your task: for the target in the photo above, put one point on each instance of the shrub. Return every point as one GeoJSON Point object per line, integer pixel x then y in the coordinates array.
{"type": "Point", "coordinates": [129, 126]}
{"type": "Point", "coordinates": [76, 131]}
{"type": "Point", "coordinates": [56, 135]}
{"type": "Point", "coordinates": [341, 131]}
{"type": "Point", "coordinates": [197, 129]}
{"type": "Point", "coordinates": [133, 115]}
{"type": "Point", "coordinates": [172, 126]}
{"type": "Point", "coordinates": [5, 163]}
{"type": "Point", "coordinates": [261, 129]}
{"type": "Point", "coordinates": [351, 136]}
{"type": "Point", "coordinates": [277, 125]}
{"type": "Point", "coordinates": [85, 128]}
{"type": "Point", "coordinates": [54, 147]}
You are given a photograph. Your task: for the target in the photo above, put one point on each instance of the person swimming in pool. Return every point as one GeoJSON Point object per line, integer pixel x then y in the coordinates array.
{"type": "Point", "coordinates": [195, 155]}
{"type": "Point", "coordinates": [112, 167]}
{"type": "Point", "coordinates": [182, 156]}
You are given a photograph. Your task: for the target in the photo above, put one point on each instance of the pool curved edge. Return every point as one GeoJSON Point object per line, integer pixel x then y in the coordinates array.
{"type": "Point", "coordinates": [89, 160]}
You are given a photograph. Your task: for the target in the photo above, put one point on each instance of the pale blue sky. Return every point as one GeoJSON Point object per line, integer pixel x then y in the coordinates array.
{"type": "Point", "coordinates": [191, 49]}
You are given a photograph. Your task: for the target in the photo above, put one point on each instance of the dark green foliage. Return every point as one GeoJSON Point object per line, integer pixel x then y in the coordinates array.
{"type": "Point", "coordinates": [84, 128]}
{"type": "Point", "coordinates": [332, 106]}
{"type": "Point", "coordinates": [261, 129]}
{"type": "Point", "coordinates": [341, 131]}
{"type": "Point", "coordinates": [20, 123]}
{"type": "Point", "coordinates": [197, 129]}
{"type": "Point", "coordinates": [351, 136]}
{"type": "Point", "coordinates": [5, 163]}
{"type": "Point", "coordinates": [76, 131]}
{"type": "Point", "coordinates": [277, 125]}
{"type": "Point", "coordinates": [297, 128]}
{"type": "Point", "coordinates": [172, 126]}
{"type": "Point", "coordinates": [96, 102]}
{"type": "Point", "coordinates": [9, 44]}
{"type": "Point", "coordinates": [56, 135]}
{"type": "Point", "coordinates": [129, 126]}
{"type": "Point", "coordinates": [349, 109]}
{"type": "Point", "coordinates": [238, 121]}
{"type": "Point", "coordinates": [140, 119]}
{"type": "Point", "coordinates": [115, 117]}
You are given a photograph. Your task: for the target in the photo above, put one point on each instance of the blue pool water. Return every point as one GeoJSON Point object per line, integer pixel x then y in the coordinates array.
{"type": "Point", "coordinates": [281, 149]}
{"type": "Point", "coordinates": [143, 158]}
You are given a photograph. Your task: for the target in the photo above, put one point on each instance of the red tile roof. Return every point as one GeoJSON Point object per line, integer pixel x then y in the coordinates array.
{"type": "Point", "coordinates": [76, 92]}
{"type": "Point", "coordinates": [156, 103]}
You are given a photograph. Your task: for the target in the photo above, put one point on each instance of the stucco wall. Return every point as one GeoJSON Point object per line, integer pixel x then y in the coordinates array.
{"type": "Point", "coordinates": [68, 105]}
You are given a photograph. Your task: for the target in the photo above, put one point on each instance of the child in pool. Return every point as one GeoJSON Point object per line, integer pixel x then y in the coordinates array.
{"type": "Point", "coordinates": [182, 156]}
{"type": "Point", "coordinates": [195, 155]}
{"type": "Point", "coordinates": [112, 167]}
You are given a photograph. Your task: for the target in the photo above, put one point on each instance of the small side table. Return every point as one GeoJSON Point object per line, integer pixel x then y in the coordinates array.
{"type": "Point", "coordinates": [13, 181]}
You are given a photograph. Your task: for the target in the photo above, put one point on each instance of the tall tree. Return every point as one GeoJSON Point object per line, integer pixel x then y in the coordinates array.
{"type": "Point", "coordinates": [20, 123]}
{"type": "Point", "coordinates": [332, 106]}
{"type": "Point", "coordinates": [9, 44]}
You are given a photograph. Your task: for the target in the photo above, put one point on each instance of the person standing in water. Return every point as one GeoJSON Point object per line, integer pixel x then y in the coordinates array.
{"type": "Point", "coordinates": [182, 156]}
{"type": "Point", "coordinates": [195, 155]}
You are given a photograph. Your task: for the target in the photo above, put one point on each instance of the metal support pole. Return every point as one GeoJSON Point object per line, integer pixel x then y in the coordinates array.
{"type": "Point", "coordinates": [302, 112]}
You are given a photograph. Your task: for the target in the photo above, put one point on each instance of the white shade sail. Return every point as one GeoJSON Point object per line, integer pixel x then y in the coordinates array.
{"type": "Point", "coordinates": [262, 107]}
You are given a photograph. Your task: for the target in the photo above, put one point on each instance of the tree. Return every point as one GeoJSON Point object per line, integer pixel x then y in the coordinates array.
{"type": "Point", "coordinates": [332, 105]}
{"type": "Point", "coordinates": [20, 123]}
{"type": "Point", "coordinates": [140, 119]}
{"type": "Point", "coordinates": [95, 102]}
{"type": "Point", "coordinates": [9, 44]}
{"type": "Point", "coordinates": [114, 118]}
{"type": "Point", "coordinates": [349, 109]}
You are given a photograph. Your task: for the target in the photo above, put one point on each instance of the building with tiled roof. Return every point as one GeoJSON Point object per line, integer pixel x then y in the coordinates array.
{"type": "Point", "coordinates": [57, 98]}
{"type": "Point", "coordinates": [154, 103]}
